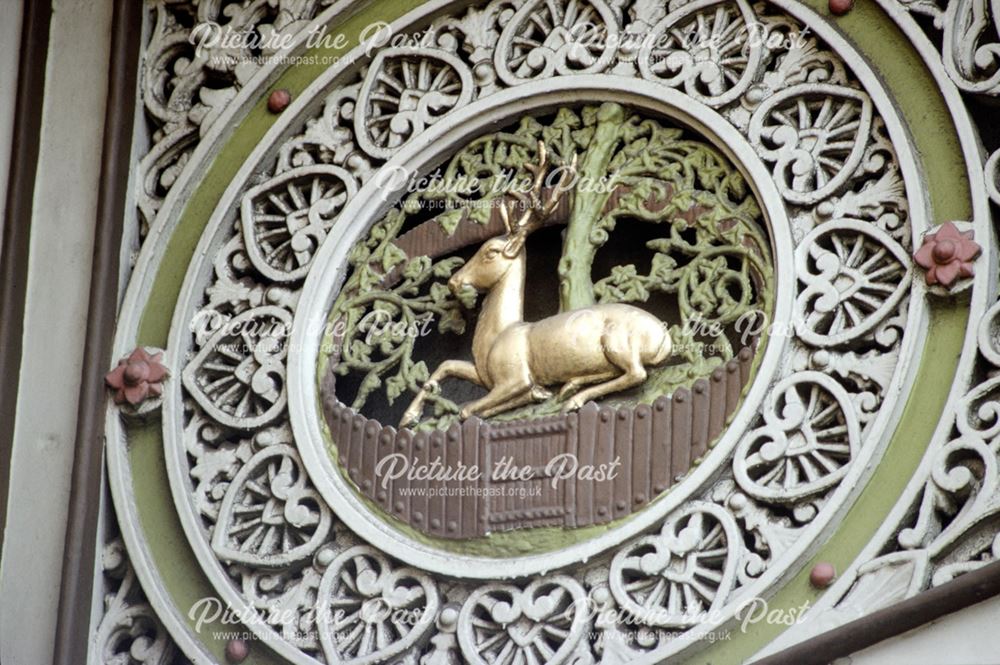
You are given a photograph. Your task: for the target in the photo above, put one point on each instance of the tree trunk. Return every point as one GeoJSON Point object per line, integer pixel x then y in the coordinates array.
{"type": "Point", "coordinates": [576, 286]}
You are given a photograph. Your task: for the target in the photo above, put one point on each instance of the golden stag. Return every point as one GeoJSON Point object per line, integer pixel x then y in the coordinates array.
{"type": "Point", "coordinates": [517, 361]}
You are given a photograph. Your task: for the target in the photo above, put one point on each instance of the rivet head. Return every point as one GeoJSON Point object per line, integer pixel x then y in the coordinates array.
{"type": "Point", "coordinates": [325, 556]}
{"type": "Point", "coordinates": [449, 617]}
{"type": "Point", "coordinates": [237, 651]}
{"type": "Point", "coordinates": [820, 360]}
{"type": "Point", "coordinates": [822, 575]}
{"type": "Point", "coordinates": [841, 7]}
{"type": "Point", "coordinates": [756, 94]}
{"type": "Point", "coordinates": [279, 100]}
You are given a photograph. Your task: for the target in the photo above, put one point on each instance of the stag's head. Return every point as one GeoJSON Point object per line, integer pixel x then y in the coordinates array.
{"type": "Point", "coordinates": [497, 255]}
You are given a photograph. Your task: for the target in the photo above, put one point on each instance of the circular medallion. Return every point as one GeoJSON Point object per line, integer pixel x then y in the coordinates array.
{"type": "Point", "coordinates": [650, 280]}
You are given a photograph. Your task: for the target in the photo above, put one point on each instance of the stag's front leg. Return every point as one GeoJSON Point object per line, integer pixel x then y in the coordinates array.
{"type": "Point", "coordinates": [459, 369]}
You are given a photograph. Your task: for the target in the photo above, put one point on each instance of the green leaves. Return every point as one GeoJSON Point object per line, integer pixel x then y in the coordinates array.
{"type": "Point", "coordinates": [480, 214]}
{"type": "Point", "coordinates": [562, 138]}
{"type": "Point", "coordinates": [467, 296]}
{"type": "Point", "coordinates": [395, 387]}
{"type": "Point", "coordinates": [664, 272]}
{"type": "Point", "coordinates": [711, 258]}
{"type": "Point", "coordinates": [446, 267]}
{"type": "Point", "coordinates": [411, 376]}
{"type": "Point", "coordinates": [384, 324]}
{"type": "Point", "coordinates": [416, 269]}
{"type": "Point", "coordinates": [440, 293]}
{"type": "Point", "coordinates": [449, 220]}
{"type": "Point", "coordinates": [392, 257]}
{"type": "Point", "coordinates": [360, 351]}
{"type": "Point", "coordinates": [624, 285]}
{"type": "Point", "coordinates": [452, 322]}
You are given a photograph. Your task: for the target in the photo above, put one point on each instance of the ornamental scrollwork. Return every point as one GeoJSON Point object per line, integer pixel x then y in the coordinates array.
{"type": "Point", "coordinates": [951, 525]}
{"type": "Point", "coordinates": [855, 276]}
{"type": "Point", "coordinates": [129, 633]}
{"type": "Point", "coordinates": [543, 622]}
{"type": "Point", "coordinates": [269, 517]}
{"type": "Point", "coordinates": [809, 437]}
{"type": "Point", "coordinates": [238, 377]}
{"type": "Point", "coordinates": [370, 610]}
{"type": "Point", "coordinates": [191, 72]}
{"type": "Point", "coordinates": [962, 490]}
{"type": "Point", "coordinates": [708, 47]}
{"type": "Point", "coordinates": [558, 37]}
{"type": "Point", "coordinates": [969, 49]}
{"type": "Point", "coordinates": [970, 55]}
{"type": "Point", "coordinates": [812, 124]}
{"type": "Point", "coordinates": [814, 135]}
{"type": "Point", "coordinates": [406, 91]}
{"type": "Point", "coordinates": [286, 220]}
{"type": "Point", "coordinates": [687, 571]}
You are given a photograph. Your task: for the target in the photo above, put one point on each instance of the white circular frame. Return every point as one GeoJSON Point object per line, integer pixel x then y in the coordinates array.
{"type": "Point", "coordinates": [419, 157]}
{"type": "Point", "coordinates": [119, 468]}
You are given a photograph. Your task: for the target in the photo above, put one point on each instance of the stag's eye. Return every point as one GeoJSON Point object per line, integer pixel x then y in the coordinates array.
{"type": "Point", "coordinates": [492, 254]}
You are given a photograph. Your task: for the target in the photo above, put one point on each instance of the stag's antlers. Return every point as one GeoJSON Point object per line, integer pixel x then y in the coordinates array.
{"type": "Point", "coordinates": [536, 211]}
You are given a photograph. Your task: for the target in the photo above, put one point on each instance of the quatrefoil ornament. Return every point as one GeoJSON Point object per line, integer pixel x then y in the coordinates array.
{"type": "Point", "coordinates": [136, 384]}
{"type": "Point", "coordinates": [948, 256]}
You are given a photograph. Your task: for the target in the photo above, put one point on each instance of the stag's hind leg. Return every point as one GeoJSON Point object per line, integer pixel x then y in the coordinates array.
{"type": "Point", "coordinates": [629, 360]}
{"type": "Point", "coordinates": [575, 384]}
{"type": "Point", "coordinates": [500, 399]}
